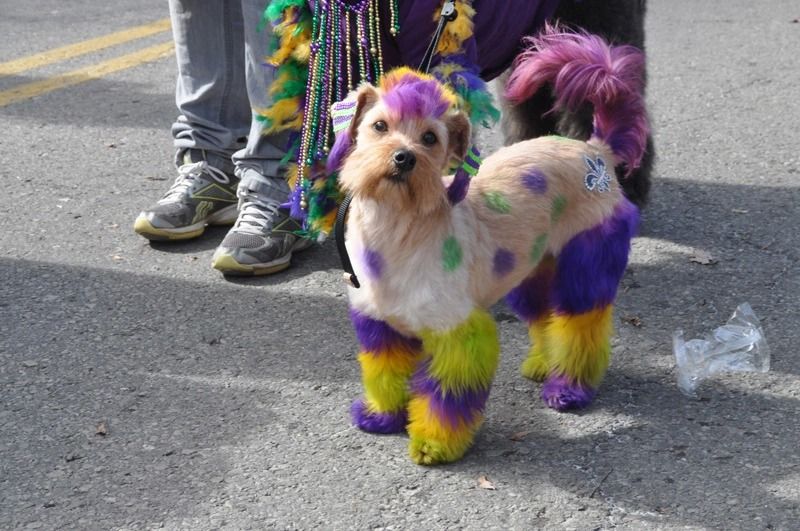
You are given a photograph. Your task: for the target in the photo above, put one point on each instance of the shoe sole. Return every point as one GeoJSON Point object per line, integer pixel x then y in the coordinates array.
{"type": "Point", "coordinates": [143, 227]}
{"type": "Point", "coordinates": [229, 266]}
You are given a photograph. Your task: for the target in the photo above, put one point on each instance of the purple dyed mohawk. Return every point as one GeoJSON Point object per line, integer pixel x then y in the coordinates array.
{"type": "Point", "coordinates": [584, 68]}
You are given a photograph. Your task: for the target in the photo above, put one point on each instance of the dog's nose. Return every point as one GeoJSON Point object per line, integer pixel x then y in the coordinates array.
{"type": "Point", "coordinates": [404, 159]}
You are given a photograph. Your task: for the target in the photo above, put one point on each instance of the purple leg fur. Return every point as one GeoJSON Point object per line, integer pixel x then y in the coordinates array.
{"type": "Point", "coordinates": [378, 422]}
{"type": "Point", "coordinates": [562, 394]}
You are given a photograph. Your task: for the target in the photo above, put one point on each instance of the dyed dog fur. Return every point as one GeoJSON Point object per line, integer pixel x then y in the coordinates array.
{"type": "Point", "coordinates": [541, 224]}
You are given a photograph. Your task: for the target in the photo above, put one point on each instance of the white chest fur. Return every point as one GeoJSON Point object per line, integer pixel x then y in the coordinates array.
{"type": "Point", "coordinates": [411, 274]}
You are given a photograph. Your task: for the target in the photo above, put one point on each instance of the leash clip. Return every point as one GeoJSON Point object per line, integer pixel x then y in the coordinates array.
{"type": "Point", "coordinates": [351, 279]}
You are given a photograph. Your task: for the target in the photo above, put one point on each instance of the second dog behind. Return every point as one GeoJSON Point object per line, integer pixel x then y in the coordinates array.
{"type": "Point", "coordinates": [543, 223]}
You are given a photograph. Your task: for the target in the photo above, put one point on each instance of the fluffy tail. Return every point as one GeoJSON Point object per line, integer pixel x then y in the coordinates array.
{"type": "Point", "coordinates": [584, 68]}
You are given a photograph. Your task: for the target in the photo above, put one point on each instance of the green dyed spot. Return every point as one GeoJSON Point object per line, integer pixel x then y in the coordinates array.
{"type": "Point", "coordinates": [451, 254]}
{"type": "Point", "coordinates": [557, 209]}
{"type": "Point", "coordinates": [538, 248]}
{"type": "Point", "coordinates": [497, 202]}
{"type": "Point", "coordinates": [563, 138]}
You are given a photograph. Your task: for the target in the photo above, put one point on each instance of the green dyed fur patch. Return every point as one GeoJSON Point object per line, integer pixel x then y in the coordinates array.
{"type": "Point", "coordinates": [557, 209]}
{"type": "Point", "coordinates": [497, 202]}
{"type": "Point", "coordinates": [538, 248]}
{"type": "Point", "coordinates": [451, 254]}
{"type": "Point", "coordinates": [464, 358]}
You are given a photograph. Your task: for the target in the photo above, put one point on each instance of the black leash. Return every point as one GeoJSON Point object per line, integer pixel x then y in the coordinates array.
{"type": "Point", "coordinates": [448, 14]}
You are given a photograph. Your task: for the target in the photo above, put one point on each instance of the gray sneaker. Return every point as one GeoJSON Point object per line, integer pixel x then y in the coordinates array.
{"type": "Point", "coordinates": [262, 240]}
{"type": "Point", "coordinates": [201, 195]}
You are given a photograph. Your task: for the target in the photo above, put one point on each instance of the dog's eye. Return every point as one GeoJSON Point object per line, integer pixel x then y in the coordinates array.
{"type": "Point", "coordinates": [380, 126]}
{"type": "Point", "coordinates": [429, 138]}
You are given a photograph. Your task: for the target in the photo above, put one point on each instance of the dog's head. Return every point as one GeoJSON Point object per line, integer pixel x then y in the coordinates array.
{"type": "Point", "coordinates": [402, 139]}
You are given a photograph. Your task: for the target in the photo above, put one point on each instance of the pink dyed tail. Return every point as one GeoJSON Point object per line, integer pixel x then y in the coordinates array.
{"type": "Point", "coordinates": [584, 68]}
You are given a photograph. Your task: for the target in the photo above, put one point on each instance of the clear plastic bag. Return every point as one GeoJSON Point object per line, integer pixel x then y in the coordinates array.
{"type": "Point", "coordinates": [737, 346]}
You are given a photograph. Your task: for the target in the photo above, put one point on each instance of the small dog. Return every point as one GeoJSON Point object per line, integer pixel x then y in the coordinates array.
{"type": "Point", "coordinates": [542, 223]}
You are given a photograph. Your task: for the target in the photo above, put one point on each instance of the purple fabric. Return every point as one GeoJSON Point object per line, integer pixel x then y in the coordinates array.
{"type": "Point", "coordinates": [499, 27]}
{"type": "Point", "coordinates": [530, 300]}
{"type": "Point", "coordinates": [377, 336]}
{"type": "Point", "coordinates": [560, 393]}
{"type": "Point", "coordinates": [378, 422]}
{"type": "Point", "coordinates": [535, 181]}
{"type": "Point", "coordinates": [341, 146]}
{"type": "Point", "coordinates": [592, 263]}
{"type": "Point", "coordinates": [457, 190]}
{"type": "Point", "coordinates": [448, 407]}
{"type": "Point", "coordinates": [413, 97]}
{"type": "Point", "coordinates": [503, 262]}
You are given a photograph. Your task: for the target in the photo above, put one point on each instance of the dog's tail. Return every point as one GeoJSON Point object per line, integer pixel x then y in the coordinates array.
{"type": "Point", "coordinates": [584, 68]}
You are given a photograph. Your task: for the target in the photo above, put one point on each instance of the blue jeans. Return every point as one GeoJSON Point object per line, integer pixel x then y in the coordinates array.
{"type": "Point", "coordinates": [222, 78]}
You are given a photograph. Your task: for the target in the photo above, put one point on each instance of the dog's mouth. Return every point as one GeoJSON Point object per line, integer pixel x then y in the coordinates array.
{"type": "Point", "coordinates": [398, 177]}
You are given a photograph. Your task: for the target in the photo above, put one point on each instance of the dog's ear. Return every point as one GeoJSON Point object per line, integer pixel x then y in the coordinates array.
{"type": "Point", "coordinates": [365, 97]}
{"type": "Point", "coordinates": [460, 132]}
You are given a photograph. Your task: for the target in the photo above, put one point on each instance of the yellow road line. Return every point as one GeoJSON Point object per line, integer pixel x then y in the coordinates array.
{"type": "Point", "coordinates": [73, 50]}
{"type": "Point", "coordinates": [29, 90]}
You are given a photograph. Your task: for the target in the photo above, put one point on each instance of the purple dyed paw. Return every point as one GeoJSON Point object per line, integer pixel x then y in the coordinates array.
{"type": "Point", "coordinates": [378, 422]}
{"type": "Point", "coordinates": [561, 394]}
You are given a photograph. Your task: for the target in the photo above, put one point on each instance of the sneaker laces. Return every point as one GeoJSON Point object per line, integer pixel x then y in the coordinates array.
{"type": "Point", "coordinates": [187, 173]}
{"type": "Point", "coordinates": [257, 214]}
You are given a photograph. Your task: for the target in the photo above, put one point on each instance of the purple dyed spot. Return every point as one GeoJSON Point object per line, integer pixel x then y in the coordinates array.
{"type": "Point", "coordinates": [374, 422]}
{"type": "Point", "coordinates": [448, 407]}
{"type": "Point", "coordinates": [535, 181]}
{"type": "Point", "coordinates": [561, 393]}
{"type": "Point", "coordinates": [374, 263]}
{"type": "Point", "coordinates": [503, 262]}
{"type": "Point", "coordinates": [377, 336]}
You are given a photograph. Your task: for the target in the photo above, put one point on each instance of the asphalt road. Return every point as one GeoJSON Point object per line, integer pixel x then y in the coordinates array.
{"type": "Point", "coordinates": [225, 404]}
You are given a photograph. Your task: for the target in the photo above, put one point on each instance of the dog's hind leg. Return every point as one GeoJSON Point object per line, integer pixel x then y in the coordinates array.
{"type": "Point", "coordinates": [450, 388]}
{"type": "Point", "coordinates": [531, 302]}
{"type": "Point", "coordinates": [387, 360]}
{"type": "Point", "coordinates": [588, 272]}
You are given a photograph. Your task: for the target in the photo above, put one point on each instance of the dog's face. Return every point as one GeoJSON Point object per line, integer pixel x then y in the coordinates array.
{"type": "Point", "coordinates": [404, 138]}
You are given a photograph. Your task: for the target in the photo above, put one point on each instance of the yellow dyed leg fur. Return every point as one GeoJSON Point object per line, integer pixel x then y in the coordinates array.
{"type": "Point", "coordinates": [537, 365]}
{"type": "Point", "coordinates": [450, 389]}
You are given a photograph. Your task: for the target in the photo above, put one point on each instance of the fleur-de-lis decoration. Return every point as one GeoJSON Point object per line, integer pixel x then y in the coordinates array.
{"type": "Point", "coordinates": [597, 177]}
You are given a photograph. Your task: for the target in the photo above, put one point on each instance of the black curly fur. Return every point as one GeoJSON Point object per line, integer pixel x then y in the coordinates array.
{"type": "Point", "coordinates": [619, 22]}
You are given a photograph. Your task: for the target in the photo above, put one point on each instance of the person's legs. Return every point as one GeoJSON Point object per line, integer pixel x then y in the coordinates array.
{"type": "Point", "coordinates": [263, 238]}
{"type": "Point", "coordinates": [213, 122]}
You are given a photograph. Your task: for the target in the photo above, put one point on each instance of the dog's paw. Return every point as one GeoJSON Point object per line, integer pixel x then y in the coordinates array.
{"type": "Point", "coordinates": [535, 367]}
{"type": "Point", "coordinates": [561, 393]}
{"type": "Point", "coordinates": [429, 452]}
{"type": "Point", "coordinates": [375, 422]}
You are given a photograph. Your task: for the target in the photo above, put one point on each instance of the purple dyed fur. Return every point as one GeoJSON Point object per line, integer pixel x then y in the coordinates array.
{"type": "Point", "coordinates": [412, 97]}
{"type": "Point", "coordinates": [535, 181]}
{"type": "Point", "coordinates": [374, 263]}
{"type": "Point", "coordinates": [584, 68]}
{"type": "Point", "coordinates": [448, 407]}
{"type": "Point", "coordinates": [503, 262]}
{"type": "Point", "coordinates": [376, 336]}
{"type": "Point", "coordinates": [561, 394]}
{"type": "Point", "coordinates": [378, 422]}
{"type": "Point", "coordinates": [592, 263]}
{"type": "Point", "coordinates": [530, 299]}
{"type": "Point", "coordinates": [457, 190]}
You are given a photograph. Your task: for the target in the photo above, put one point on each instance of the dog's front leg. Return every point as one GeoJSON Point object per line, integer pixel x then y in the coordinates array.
{"type": "Point", "coordinates": [387, 360]}
{"type": "Point", "coordinates": [450, 388]}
